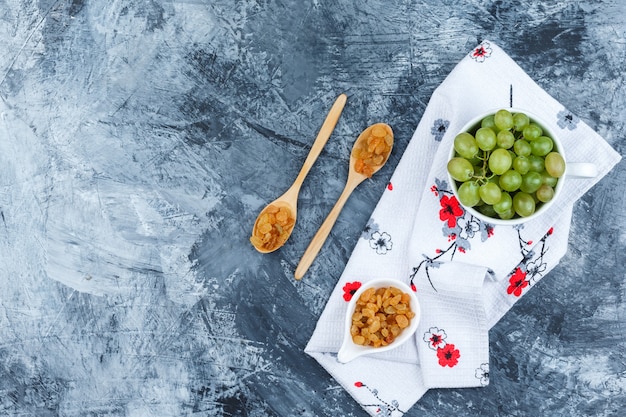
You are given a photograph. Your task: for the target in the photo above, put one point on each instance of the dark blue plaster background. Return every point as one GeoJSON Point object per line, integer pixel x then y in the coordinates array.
{"type": "Point", "coordinates": [139, 140]}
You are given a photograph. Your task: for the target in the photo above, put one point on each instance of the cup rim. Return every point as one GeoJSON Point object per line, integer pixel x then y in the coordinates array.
{"type": "Point", "coordinates": [470, 125]}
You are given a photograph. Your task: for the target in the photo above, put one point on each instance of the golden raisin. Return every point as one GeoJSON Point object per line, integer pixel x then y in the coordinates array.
{"type": "Point", "coordinates": [402, 321]}
{"type": "Point", "coordinates": [379, 316]}
{"type": "Point", "coordinates": [265, 228]}
{"type": "Point", "coordinates": [379, 131]}
{"type": "Point", "coordinates": [373, 152]}
{"type": "Point", "coordinates": [273, 228]}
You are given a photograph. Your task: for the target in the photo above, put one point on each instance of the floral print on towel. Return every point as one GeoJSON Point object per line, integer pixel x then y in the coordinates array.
{"type": "Point", "coordinates": [350, 289]}
{"type": "Point", "coordinates": [481, 52]}
{"type": "Point", "coordinates": [482, 374]}
{"type": "Point", "coordinates": [532, 266]}
{"type": "Point", "coordinates": [378, 240]}
{"type": "Point", "coordinates": [447, 353]}
{"type": "Point", "coordinates": [459, 226]}
{"type": "Point", "coordinates": [381, 407]}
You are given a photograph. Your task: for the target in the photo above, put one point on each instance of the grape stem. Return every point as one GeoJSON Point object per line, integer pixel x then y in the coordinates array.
{"type": "Point", "coordinates": [482, 179]}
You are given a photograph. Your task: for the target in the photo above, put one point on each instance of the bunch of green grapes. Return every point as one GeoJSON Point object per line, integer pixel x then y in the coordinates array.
{"type": "Point", "coordinates": [506, 167]}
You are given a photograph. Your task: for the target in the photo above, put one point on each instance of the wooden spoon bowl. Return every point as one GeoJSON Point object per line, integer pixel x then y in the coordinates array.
{"type": "Point", "coordinates": [271, 230]}
{"type": "Point", "coordinates": [364, 162]}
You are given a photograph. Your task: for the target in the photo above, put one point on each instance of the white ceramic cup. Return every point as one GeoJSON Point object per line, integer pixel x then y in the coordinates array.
{"type": "Point", "coordinates": [350, 350]}
{"type": "Point", "coordinates": [572, 169]}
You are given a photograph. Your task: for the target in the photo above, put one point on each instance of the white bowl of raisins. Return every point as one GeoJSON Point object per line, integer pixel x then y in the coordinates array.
{"type": "Point", "coordinates": [382, 315]}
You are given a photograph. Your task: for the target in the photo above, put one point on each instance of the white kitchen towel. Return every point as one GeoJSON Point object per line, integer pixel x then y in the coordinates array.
{"type": "Point", "coordinates": [418, 226]}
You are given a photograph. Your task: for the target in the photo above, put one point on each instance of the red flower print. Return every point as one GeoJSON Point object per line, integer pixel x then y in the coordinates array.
{"type": "Point", "coordinates": [517, 283]}
{"type": "Point", "coordinates": [358, 384]}
{"type": "Point", "coordinates": [390, 187]}
{"type": "Point", "coordinates": [450, 210]}
{"type": "Point", "coordinates": [436, 340]}
{"type": "Point", "coordinates": [435, 337]}
{"type": "Point", "coordinates": [349, 289]}
{"type": "Point", "coordinates": [481, 52]}
{"type": "Point", "coordinates": [448, 355]}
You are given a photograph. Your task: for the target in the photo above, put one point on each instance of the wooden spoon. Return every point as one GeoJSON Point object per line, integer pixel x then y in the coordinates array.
{"type": "Point", "coordinates": [274, 224]}
{"type": "Point", "coordinates": [361, 167]}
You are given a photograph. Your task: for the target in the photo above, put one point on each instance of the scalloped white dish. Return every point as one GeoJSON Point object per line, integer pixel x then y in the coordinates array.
{"type": "Point", "coordinates": [350, 350]}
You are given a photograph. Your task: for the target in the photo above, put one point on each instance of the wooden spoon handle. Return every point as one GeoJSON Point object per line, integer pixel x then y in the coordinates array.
{"type": "Point", "coordinates": [320, 237]}
{"type": "Point", "coordinates": [322, 137]}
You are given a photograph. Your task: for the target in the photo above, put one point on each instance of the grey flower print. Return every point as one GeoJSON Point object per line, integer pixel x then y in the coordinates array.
{"type": "Point", "coordinates": [381, 242]}
{"type": "Point", "coordinates": [439, 129]}
{"type": "Point", "coordinates": [482, 374]}
{"type": "Point", "coordinates": [370, 228]}
{"type": "Point", "coordinates": [566, 120]}
{"type": "Point", "coordinates": [468, 227]}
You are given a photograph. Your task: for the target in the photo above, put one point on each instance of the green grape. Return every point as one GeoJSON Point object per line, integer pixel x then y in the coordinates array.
{"type": "Point", "coordinates": [490, 193]}
{"type": "Point", "coordinates": [522, 147]}
{"type": "Point", "coordinates": [510, 180]}
{"type": "Point", "coordinates": [477, 160]}
{"type": "Point", "coordinates": [505, 204]}
{"type": "Point", "coordinates": [521, 164]}
{"type": "Point", "coordinates": [531, 182]}
{"type": "Point", "coordinates": [500, 161]}
{"type": "Point", "coordinates": [513, 154]}
{"type": "Point", "coordinates": [487, 210]}
{"type": "Point", "coordinates": [508, 214]}
{"type": "Point", "coordinates": [555, 164]}
{"type": "Point", "coordinates": [488, 122]}
{"type": "Point", "coordinates": [503, 119]}
{"type": "Point", "coordinates": [548, 179]}
{"type": "Point", "coordinates": [536, 163]}
{"type": "Point", "coordinates": [541, 146]}
{"type": "Point", "coordinates": [544, 193]}
{"type": "Point", "coordinates": [465, 145]}
{"type": "Point", "coordinates": [469, 193]}
{"type": "Point", "coordinates": [532, 131]}
{"type": "Point", "coordinates": [523, 204]}
{"type": "Point", "coordinates": [505, 139]}
{"type": "Point", "coordinates": [534, 196]}
{"type": "Point", "coordinates": [486, 138]}
{"type": "Point", "coordinates": [460, 169]}
{"type": "Point", "coordinates": [520, 120]}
